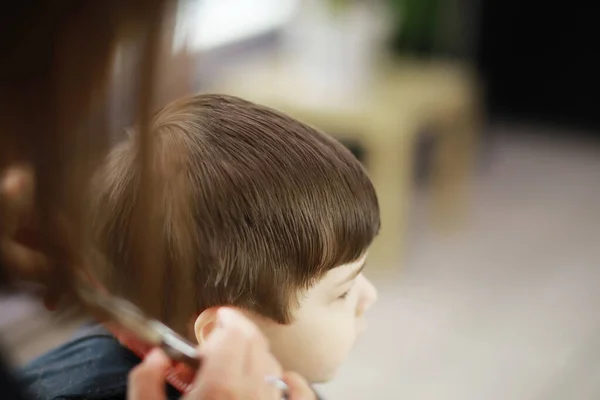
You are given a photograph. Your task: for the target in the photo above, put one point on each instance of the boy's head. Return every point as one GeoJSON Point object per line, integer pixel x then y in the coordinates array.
{"type": "Point", "coordinates": [255, 210]}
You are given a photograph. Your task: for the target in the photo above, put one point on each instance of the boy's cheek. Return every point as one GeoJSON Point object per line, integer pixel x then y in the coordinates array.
{"type": "Point", "coordinates": [314, 350]}
{"type": "Point", "coordinates": [361, 326]}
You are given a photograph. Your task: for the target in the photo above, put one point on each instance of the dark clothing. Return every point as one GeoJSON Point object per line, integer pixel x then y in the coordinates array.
{"type": "Point", "coordinates": [9, 389]}
{"type": "Point", "coordinates": [91, 366]}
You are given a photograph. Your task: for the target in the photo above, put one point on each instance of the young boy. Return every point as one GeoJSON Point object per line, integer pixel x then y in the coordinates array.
{"type": "Point", "coordinates": [256, 210]}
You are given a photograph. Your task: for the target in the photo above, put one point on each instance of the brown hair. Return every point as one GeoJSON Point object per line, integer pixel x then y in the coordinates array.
{"type": "Point", "coordinates": [57, 60]}
{"type": "Point", "coordinates": [58, 66]}
{"type": "Point", "coordinates": [251, 205]}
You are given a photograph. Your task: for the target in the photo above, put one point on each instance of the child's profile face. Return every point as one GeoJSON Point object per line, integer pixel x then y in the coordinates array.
{"type": "Point", "coordinates": [325, 326]}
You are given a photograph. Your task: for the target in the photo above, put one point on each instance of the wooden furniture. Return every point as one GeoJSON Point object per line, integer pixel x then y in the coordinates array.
{"type": "Point", "coordinates": [404, 97]}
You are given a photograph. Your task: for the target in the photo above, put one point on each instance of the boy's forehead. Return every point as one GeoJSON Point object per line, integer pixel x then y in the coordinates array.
{"type": "Point", "coordinates": [344, 270]}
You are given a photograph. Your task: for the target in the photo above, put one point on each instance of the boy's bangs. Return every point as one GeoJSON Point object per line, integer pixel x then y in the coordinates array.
{"type": "Point", "coordinates": [337, 229]}
{"type": "Point", "coordinates": [353, 229]}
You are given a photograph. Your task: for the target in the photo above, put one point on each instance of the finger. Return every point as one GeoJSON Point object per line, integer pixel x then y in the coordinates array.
{"type": "Point", "coordinates": [225, 356]}
{"type": "Point", "coordinates": [232, 319]}
{"type": "Point", "coordinates": [229, 344]}
{"type": "Point", "coordinates": [16, 193]}
{"type": "Point", "coordinates": [147, 380]}
{"type": "Point", "coordinates": [23, 262]}
{"type": "Point", "coordinates": [16, 202]}
{"type": "Point", "coordinates": [299, 389]}
{"type": "Point", "coordinates": [262, 362]}
{"type": "Point", "coordinates": [265, 369]}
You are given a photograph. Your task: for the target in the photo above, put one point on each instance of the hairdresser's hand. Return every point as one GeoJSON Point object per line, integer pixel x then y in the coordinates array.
{"type": "Point", "coordinates": [235, 361]}
{"type": "Point", "coordinates": [24, 254]}
{"type": "Point", "coordinates": [20, 258]}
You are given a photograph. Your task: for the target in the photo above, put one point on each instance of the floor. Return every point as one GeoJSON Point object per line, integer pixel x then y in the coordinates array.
{"type": "Point", "coordinates": [504, 308]}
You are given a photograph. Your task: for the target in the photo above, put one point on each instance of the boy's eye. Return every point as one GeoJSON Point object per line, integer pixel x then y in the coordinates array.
{"type": "Point", "coordinates": [344, 295]}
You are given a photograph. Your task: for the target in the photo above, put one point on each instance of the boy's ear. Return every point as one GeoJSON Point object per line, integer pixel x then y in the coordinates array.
{"type": "Point", "coordinates": [204, 324]}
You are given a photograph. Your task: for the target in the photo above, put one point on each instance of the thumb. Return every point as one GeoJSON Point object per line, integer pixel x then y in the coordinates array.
{"type": "Point", "coordinates": [299, 389]}
{"type": "Point", "coordinates": [147, 380]}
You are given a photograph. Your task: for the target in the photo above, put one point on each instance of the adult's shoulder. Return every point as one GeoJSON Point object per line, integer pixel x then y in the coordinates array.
{"type": "Point", "coordinates": [93, 366]}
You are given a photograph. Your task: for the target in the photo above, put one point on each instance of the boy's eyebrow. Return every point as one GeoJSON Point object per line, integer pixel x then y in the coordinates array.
{"type": "Point", "coordinates": [353, 275]}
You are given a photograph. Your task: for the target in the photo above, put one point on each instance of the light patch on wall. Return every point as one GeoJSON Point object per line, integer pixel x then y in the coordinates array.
{"type": "Point", "coordinates": [207, 24]}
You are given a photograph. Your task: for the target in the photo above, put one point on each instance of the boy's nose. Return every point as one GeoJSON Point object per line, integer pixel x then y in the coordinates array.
{"type": "Point", "coordinates": [368, 296]}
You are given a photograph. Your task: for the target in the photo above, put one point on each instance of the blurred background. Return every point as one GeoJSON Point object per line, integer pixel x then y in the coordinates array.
{"type": "Point", "coordinates": [477, 121]}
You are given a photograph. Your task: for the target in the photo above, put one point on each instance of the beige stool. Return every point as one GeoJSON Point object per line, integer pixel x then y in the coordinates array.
{"type": "Point", "coordinates": [404, 97]}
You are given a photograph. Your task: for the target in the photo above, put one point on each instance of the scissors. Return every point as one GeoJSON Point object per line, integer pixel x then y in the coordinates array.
{"type": "Point", "coordinates": [128, 317]}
